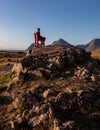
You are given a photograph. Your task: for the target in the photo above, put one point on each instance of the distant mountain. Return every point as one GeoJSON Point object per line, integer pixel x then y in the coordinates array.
{"type": "Point", "coordinates": [91, 46]}
{"type": "Point", "coordinates": [30, 47]}
{"type": "Point", "coordinates": [81, 46]}
{"type": "Point", "coordinates": [60, 42]}
{"type": "Point", "coordinates": [11, 50]}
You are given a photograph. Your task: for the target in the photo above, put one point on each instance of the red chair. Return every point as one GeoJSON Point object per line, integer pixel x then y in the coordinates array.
{"type": "Point", "coordinates": [38, 39]}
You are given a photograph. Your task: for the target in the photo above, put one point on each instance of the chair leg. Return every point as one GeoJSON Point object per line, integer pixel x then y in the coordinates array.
{"type": "Point", "coordinates": [36, 44]}
{"type": "Point", "coordinates": [43, 41]}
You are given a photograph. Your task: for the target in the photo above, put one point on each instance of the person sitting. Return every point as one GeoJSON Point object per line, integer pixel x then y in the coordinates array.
{"type": "Point", "coordinates": [38, 38]}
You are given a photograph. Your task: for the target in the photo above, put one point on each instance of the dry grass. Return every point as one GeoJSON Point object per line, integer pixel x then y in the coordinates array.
{"type": "Point", "coordinates": [11, 54]}
{"type": "Point", "coordinates": [5, 79]}
{"type": "Point", "coordinates": [96, 53]}
{"type": "Point", "coordinates": [10, 57]}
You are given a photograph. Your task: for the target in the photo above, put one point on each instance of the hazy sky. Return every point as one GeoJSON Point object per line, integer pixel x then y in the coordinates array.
{"type": "Point", "coordinates": [76, 21]}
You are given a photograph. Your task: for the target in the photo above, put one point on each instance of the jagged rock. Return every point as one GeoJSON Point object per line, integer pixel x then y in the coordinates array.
{"type": "Point", "coordinates": [8, 60]}
{"type": "Point", "coordinates": [85, 100]}
{"type": "Point", "coordinates": [95, 77]}
{"type": "Point", "coordinates": [53, 66]}
{"type": "Point", "coordinates": [82, 73]}
{"type": "Point", "coordinates": [17, 71]}
{"type": "Point", "coordinates": [17, 67]}
{"type": "Point", "coordinates": [62, 99]}
{"type": "Point", "coordinates": [39, 114]}
{"type": "Point", "coordinates": [67, 101]}
{"type": "Point", "coordinates": [4, 100]}
{"type": "Point", "coordinates": [32, 62]}
{"type": "Point", "coordinates": [56, 125]}
{"type": "Point", "coordinates": [69, 125]}
{"type": "Point", "coordinates": [28, 100]}
{"type": "Point", "coordinates": [29, 52]}
{"type": "Point", "coordinates": [46, 73]}
{"type": "Point", "coordinates": [49, 93]}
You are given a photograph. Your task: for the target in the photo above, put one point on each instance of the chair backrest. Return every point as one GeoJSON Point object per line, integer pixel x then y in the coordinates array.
{"type": "Point", "coordinates": [36, 36]}
{"type": "Point", "coordinates": [38, 39]}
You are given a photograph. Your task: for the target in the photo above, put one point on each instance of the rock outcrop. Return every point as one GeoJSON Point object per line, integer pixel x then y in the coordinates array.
{"type": "Point", "coordinates": [54, 88]}
{"type": "Point", "coordinates": [56, 62]}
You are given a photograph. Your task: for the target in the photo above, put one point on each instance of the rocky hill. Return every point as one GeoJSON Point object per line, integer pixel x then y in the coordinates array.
{"type": "Point", "coordinates": [91, 46]}
{"type": "Point", "coordinates": [53, 88]}
{"type": "Point", "coordinates": [60, 42]}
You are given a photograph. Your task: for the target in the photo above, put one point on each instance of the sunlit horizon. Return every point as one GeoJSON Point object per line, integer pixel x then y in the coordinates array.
{"type": "Point", "coordinates": [77, 22]}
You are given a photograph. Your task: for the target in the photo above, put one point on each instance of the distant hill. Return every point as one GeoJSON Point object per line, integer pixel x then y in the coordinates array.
{"type": "Point", "coordinates": [81, 46]}
{"type": "Point", "coordinates": [30, 47]}
{"type": "Point", "coordinates": [60, 42]}
{"type": "Point", "coordinates": [91, 46]}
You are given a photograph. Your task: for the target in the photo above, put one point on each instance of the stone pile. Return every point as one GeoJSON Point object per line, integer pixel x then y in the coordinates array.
{"type": "Point", "coordinates": [53, 88]}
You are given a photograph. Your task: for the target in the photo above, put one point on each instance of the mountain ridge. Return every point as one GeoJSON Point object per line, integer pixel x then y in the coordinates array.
{"type": "Point", "coordinates": [91, 46]}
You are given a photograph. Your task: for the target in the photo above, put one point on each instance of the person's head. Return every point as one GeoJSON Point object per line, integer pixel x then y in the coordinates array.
{"type": "Point", "coordinates": [38, 29]}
